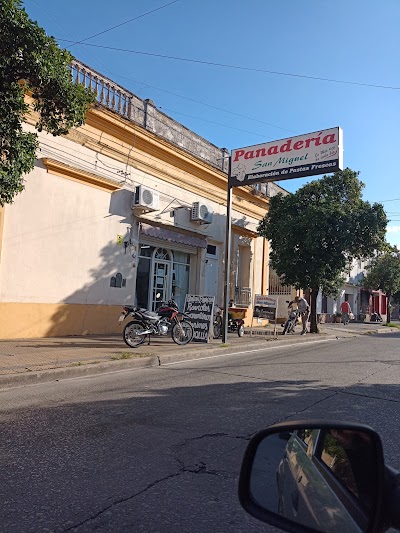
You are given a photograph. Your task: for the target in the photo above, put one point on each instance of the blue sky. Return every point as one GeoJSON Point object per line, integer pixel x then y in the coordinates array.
{"type": "Point", "coordinates": [346, 40]}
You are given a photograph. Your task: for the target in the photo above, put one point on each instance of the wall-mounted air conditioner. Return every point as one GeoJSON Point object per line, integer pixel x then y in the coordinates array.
{"type": "Point", "coordinates": [201, 213]}
{"type": "Point", "coordinates": [145, 199]}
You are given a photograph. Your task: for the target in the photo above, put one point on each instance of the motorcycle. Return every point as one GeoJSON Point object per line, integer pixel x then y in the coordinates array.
{"type": "Point", "coordinates": [376, 317]}
{"type": "Point", "coordinates": [234, 324]}
{"type": "Point", "coordinates": [291, 322]}
{"type": "Point", "coordinates": [322, 476]}
{"type": "Point", "coordinates": [166, 319]}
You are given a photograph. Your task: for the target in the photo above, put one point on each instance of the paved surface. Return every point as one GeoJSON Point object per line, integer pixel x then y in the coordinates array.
{"type": "Point", "coordinates": [27, 360]}
{"type": "Point", "coordinates": [159, 449]}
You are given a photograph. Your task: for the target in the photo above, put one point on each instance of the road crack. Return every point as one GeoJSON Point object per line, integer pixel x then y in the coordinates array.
{"type": "Point", "coordinates": [197, 469]}
{"type": "Point", "coordinates": [123, 500]}
{"type": "Point", "coordinates": [212, 435]}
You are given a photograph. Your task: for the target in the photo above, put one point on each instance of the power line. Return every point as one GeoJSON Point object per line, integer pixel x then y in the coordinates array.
{"type": "Point", "coordinates": [240, 67]}
{"type": "Point", "coordinates": [203, 103]}
{"type": "Point", "coordinates": [123, 23]}
{"type": "Point", "coordinates": [69, 33]}
{"type": "Point", "coordinates": [212, 122]}
{"type": "Point", "coordinates": [391, 200]}
{"type": "Point", "coordinates": [159, 88]}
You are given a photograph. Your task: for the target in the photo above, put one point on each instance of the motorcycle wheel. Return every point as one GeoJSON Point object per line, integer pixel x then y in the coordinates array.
{"type": "Point", "coordinates": [131, 334]}
{"type": "Point", "coordinates": [240, 330]}
{"type": "Point", "coordinates": [286, 328]}
{"type": "Point", "coordinates": [217, 329]}
{"type": "Point", "coordinates": [182, 332]}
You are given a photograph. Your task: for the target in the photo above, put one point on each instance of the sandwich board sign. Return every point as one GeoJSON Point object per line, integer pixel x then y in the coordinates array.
{"type": "Point", "coordinates": [200, 310]}
{"type": "Point", "coordinates": [264, 307]}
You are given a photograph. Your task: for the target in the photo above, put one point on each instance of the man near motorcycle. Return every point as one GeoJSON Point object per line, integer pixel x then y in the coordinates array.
{"type": "Point", "coordinates": [304, 310]}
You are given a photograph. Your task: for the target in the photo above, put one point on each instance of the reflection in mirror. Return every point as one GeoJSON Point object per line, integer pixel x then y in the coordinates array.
{"type": "Point", "coordinates": [325, 479]}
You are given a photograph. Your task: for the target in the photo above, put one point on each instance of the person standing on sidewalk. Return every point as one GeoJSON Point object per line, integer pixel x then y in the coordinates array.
{"type": "Point", "coordinates": [345, 310]}
{"type": "Point", "coordinates": [304, 310]}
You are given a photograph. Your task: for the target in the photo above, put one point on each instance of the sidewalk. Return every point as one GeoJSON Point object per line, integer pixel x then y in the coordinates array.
{"type": "Point", "coordinates": [47, 359]}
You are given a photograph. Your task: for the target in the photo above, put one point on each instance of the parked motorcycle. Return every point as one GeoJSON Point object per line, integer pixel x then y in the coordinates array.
{"type": "Point", "coordinates": [291, 322]}
{"type": "Point", "coordinates": [376, 317]}
{"type": "Point", "coordinates": [166, 319]}
{"type": "Point", "coordinates": [323, 476]}
{"type": "Point", "coordinates": [234, 324]}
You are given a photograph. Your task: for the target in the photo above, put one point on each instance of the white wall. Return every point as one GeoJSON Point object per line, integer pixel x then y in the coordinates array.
{"type": "Point", "coordinates": [59, 244]}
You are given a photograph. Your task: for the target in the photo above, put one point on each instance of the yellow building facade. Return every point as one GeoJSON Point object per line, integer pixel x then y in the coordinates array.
{"type": "Point", "coordinates": [127, 206]}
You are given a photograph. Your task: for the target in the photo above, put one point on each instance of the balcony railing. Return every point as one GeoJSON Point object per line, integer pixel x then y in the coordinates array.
{"type": "Point", "coordinates": [242, 296]}
{"type": "Point", "coordinates": [108, 93]}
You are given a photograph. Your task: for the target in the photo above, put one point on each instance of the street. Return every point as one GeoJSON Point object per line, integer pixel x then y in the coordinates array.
{"type": "Point", "coordinates": [159, 449]}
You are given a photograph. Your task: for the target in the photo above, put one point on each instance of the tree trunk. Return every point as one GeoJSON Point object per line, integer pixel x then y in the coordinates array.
{"type": "Point", "coordinates": [388, 315]}
{"type": "Point", "coordinates": [313, 317]}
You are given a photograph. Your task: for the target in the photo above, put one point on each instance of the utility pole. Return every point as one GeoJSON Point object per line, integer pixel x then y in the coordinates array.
{"type": "Point", "coordinates": [228, 238]}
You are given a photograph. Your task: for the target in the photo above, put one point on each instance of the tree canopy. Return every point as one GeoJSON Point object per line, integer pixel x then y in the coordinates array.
{"type": "Point", "coordinates": [32, 63]}
{"type": "Point", "coordinates": [383, 273]}
{"type": "Point", "coordinates": [315, 233]}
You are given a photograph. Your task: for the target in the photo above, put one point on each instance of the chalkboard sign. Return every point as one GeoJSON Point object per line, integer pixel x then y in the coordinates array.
{"type": "Point", "coordinates": [200, 310]}
{"type": "Point", "coordinates": [264, 307]}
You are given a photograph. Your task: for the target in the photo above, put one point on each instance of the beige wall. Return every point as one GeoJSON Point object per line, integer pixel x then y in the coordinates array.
{"type": "Point", "coordinates": [59, 238]}
{"type": "Point", "coordinates": [59, 244]}
{"type": "Point", "coordinates": [20, 320]}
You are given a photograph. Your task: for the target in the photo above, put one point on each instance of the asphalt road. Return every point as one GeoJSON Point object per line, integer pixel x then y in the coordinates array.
{"type": "Point", "coordinates": [159, 449]}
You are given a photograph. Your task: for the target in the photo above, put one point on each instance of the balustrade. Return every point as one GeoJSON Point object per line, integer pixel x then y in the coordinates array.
{"type": "Point", "coordinates": [107, 92]}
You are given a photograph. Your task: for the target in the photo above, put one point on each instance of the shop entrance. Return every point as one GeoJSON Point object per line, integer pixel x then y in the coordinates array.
{"type": "Point", "coordinates": [164, 272]}
{"type": "Point", "coordinates": [161, 282]}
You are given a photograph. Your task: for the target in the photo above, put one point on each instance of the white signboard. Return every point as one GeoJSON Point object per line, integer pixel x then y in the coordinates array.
{"type": "Point", "coordinates": [264, 301]}
{"type": "Point", "coordinates": [295, 157]}
{"type": "Point", "coordinates": [264, 307]}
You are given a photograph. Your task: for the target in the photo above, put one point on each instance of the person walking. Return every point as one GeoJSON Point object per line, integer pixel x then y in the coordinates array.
{"type": "Point", "coordinates": [304, 310]}
{"type": "Point", "coordinates": [345, 310]}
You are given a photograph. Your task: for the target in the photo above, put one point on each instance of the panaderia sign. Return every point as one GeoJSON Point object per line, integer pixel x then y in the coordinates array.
{"type": "Point", "coordinates": [295, 157]}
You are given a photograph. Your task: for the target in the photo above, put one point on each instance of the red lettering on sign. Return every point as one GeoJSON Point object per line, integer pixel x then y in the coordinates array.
{"type": "Point", "coordinates": [273, 150]}
{"type": "Point", "coordinates": [297, 145]}
{"type": "Point", "coordinates": [286, 146]}
{"type": "Point", "coordinates": [249, 154]}
{"type": "Point", "coordinates": [238, 154]}
{"type": "Point", "coordinates": [261, 152]}
{"type": "Point", "coordinates": [328, 139]}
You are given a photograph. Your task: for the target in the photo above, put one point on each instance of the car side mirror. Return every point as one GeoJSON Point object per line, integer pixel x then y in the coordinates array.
{"type": "Point", "coordinates": [315, 476]}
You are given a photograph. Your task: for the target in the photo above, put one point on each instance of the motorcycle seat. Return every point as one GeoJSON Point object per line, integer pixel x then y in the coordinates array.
{"type": "Point", "coordinates": [151, 315]}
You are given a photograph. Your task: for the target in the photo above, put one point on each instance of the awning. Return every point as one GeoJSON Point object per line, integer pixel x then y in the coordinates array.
{"type": "Point", "coordinates": [172, 236]}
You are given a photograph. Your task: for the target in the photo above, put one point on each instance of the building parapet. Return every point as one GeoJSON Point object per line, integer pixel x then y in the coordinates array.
{"type": "Point", "coordinates": [144, 113]}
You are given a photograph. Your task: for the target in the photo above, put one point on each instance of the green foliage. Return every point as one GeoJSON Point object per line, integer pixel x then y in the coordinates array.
{"type": "Point", "coordinates": [384, 273]}
{"type": "Point", "coordinates": [315, 232]}
{"type": "Point", "coordinates": [31, 62]}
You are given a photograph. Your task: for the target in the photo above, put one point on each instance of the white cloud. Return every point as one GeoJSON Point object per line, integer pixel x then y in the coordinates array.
{"type": "Point", "coordinates": [393, 229]}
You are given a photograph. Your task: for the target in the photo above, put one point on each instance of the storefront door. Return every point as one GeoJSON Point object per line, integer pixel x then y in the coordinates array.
{"type": "Point", "coordinates": [164, 273]}
{"type": "Point", "coordinates": [162, 277]}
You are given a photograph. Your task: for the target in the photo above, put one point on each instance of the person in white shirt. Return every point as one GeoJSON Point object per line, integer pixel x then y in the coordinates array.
{"type": "Point", "coordinates": [304, 310]}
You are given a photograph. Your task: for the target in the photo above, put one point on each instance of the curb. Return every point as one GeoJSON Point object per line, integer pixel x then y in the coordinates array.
{"type": "Point", "coordinates": [44, 376]}
{"type": "Point", "coordinates": [9, 381]}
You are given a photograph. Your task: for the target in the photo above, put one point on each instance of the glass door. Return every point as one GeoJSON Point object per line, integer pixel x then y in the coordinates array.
{"type": "Point", "coordinates": [161, 282]}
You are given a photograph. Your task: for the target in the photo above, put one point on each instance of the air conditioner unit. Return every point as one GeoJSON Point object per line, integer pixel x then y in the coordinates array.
{"type": "Point", "coordinates": [201, 213]}
{"type": "Point", "coordinates": [146, 199]}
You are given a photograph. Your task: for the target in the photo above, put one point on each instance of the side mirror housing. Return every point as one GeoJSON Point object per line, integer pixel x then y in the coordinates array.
{"type": "Point", "coordinates": [314, 476]}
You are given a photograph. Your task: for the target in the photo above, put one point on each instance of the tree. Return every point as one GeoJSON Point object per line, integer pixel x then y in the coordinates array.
{"type": "Point", "coordinates": [317, 231]}
{"type": "Point", "coordinates": [384, 273]}
{"type": "Point", "coordinates": [32, 63]}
